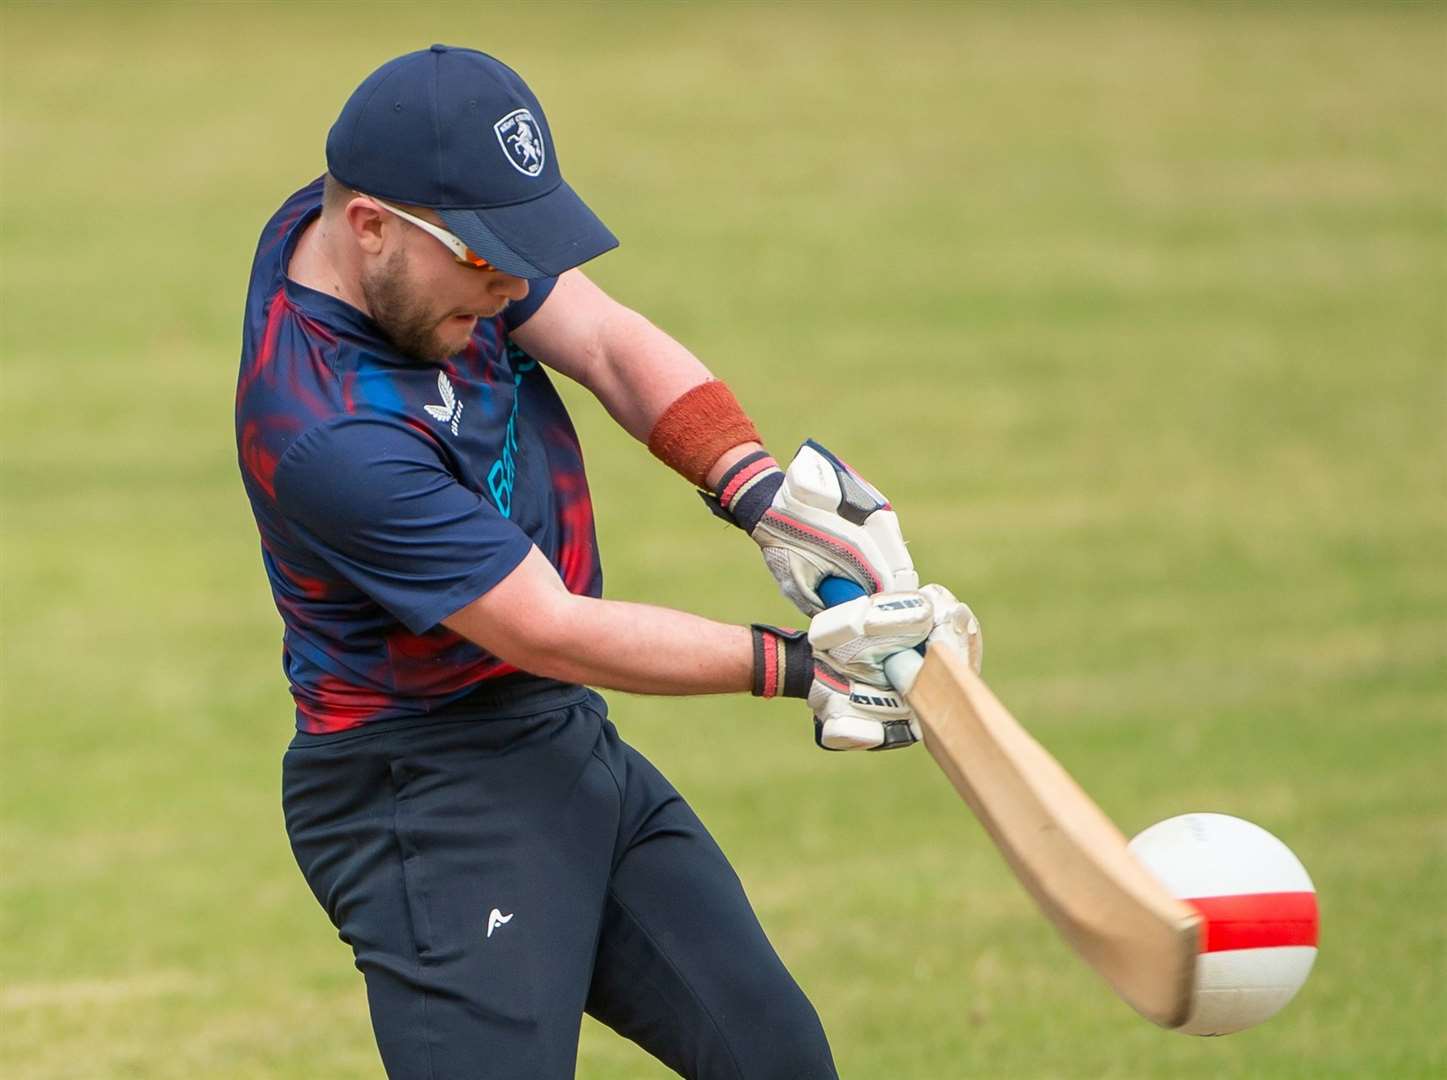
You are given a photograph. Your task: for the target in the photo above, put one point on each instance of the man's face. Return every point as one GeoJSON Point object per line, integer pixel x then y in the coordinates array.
{"type": "Point", "coordinates": [425, 301]}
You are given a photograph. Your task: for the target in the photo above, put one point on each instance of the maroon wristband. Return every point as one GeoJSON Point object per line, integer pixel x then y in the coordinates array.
{"type": "Point", "coordinates": [700, 427]}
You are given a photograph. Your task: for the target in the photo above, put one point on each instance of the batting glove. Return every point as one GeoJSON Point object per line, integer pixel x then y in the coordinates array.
{"type": "Point", "coordinates": [837, 668]}
{"type": "Point", "coordinates": [954, 627]}
{"type": "Point", "coordinates": [819, 519]}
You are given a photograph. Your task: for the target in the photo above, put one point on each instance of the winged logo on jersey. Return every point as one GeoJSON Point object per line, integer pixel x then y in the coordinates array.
{"type": "Point", "coordinates": [450, 411]}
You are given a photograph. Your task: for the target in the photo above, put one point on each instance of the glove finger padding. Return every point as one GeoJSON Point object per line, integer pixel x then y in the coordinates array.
{"type": "Point", "coordinates": [857, 637]}
{"type": "Point", "coordinates": [855, 716]}
{"type": "Point", "coordinates": [955, 626]}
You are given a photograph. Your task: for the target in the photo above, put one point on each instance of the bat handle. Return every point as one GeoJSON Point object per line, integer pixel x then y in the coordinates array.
{"type": "Point", "coordinates": [902, 667]}
{"type": "Point", "coordinates": [839, 590]}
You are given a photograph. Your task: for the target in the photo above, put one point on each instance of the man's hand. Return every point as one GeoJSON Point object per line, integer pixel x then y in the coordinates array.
{"type": "Point", "coordinates": [855, 638]}
{"type": "Point", "coordinates": [858, 716]}
{"type": "Point", "coordinates": [955, 628]}
{"type": "Point", "coordinates": [818, 519]}
{"type": "Point", "coordinates": [837, 667]}
{"type": "Point", "coordinates": [862, 715]}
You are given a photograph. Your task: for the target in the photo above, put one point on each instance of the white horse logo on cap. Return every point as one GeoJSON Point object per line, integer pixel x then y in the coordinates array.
{"type": "Point", "coordinates": [521, 139]}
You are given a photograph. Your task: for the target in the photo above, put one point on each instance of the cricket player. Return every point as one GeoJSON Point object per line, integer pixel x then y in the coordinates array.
{"type": "Point", "coordinates": [499, 860]}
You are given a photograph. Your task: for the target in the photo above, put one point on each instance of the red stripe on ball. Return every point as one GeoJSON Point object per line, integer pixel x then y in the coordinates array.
{"type": "Point", "coordinates": [1257, 920]}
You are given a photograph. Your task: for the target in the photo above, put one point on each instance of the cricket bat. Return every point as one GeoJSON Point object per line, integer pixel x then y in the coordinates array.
{"type": "Point", "coordinates": [1064, 849]}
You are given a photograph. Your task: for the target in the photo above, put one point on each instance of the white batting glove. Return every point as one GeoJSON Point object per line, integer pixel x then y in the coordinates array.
{"type": "Point", "coordinates": [837, 668]}
{"type": "Point", "coordinates": [816, 520]}
{"type": "Point", "coordinates": [857, 716]}
{"type": "Point", "coordinates": [855, 638]}
{"type": "Point", "coordinates": [868, 718]}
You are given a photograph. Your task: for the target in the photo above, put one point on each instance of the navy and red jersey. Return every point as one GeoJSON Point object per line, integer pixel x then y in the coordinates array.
{"type": "Point", "coordinates": [390, 493]}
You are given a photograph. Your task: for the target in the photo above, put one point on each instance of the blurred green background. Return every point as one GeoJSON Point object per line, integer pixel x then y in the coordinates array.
{"type": "Point", "coordinates": [1136, 311]}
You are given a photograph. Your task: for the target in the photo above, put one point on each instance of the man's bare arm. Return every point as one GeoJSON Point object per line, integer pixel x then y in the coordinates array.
{"type": "Point", "coordinates": [533, 622]}
{"type": "Point", "coordinates": [635, 369]}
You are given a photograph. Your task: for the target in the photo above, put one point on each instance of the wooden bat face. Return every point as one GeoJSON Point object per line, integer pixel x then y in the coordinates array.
{"type": "Point", "coordinates": [1065, 851]}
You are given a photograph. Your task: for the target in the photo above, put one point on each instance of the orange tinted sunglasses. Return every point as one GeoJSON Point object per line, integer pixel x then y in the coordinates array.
{"type": "Point", "coordinates": [455, 244]}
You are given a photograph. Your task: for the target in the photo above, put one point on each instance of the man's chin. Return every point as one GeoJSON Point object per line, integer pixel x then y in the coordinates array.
{"type": "Point", "coordinates": [454, 334]}
{"type": "Point", "coordinates": [443, 341]}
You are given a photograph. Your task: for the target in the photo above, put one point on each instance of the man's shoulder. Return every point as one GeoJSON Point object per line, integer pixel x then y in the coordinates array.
{"type": "Point", "coordinates": [325, 403]}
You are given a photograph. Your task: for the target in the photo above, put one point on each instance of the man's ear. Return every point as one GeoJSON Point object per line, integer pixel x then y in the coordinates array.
{"type": "Point", "coordinates": [364, 222]}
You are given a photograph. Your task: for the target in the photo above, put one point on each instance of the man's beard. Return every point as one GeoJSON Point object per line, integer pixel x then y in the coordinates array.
{"type": "Point", "coordinates": [404, 316]}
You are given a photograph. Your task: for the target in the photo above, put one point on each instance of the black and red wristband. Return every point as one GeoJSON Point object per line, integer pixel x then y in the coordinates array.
{"type": "Point", "coordinates": [747, 490]}
{"type": "Point", "coordinates": [783, 662]}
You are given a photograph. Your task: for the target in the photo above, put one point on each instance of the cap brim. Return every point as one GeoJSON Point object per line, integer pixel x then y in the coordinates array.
{"type": "Point", "coordinates": [535, 239]}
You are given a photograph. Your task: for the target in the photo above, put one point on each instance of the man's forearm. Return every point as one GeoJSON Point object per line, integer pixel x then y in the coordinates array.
{"type": "Point", "coordinates": [531, 621]}
{"type": "Point", "coordinates": [639, 373]}
{"type": "Point", "coordinates": [644, 649]}
{"type": "Point", "coordinates": [642, 372]}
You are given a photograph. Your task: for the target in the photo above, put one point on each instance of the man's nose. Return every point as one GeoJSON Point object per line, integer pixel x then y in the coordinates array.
{"type": "Point", "coordinates": [509, 287]}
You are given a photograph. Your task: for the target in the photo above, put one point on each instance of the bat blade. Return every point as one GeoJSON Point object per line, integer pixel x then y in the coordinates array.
{"type": "Point", "coordinates": [1063, 848]}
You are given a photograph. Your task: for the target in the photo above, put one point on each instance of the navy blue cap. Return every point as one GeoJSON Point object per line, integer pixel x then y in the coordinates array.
{"type": "Point", "coordinates": [459, 131]}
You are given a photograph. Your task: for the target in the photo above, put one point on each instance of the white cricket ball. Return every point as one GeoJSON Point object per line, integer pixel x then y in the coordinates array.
{"type": "Point", "coordinates": [1259, 916]}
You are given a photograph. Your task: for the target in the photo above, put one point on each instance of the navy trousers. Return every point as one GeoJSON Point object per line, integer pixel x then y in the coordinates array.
{"type": "Point", "coordinates": [496, 877]}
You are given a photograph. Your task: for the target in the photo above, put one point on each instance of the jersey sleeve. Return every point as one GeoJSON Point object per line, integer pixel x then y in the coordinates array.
{"type": "Point", "coordinates": [376, 503]}
{"type": "Point", "coordinates": [514, 315]}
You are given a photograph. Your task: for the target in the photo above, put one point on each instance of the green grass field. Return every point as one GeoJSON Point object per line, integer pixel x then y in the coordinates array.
{"type": "Point", "coordinates": [1136, 310]}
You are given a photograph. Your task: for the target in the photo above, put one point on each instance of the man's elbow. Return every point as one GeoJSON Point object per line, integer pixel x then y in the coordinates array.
{"type": "Point", "coordinates": [548, 658]}
{"type": "Point", "coordinates": [537, 638]}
